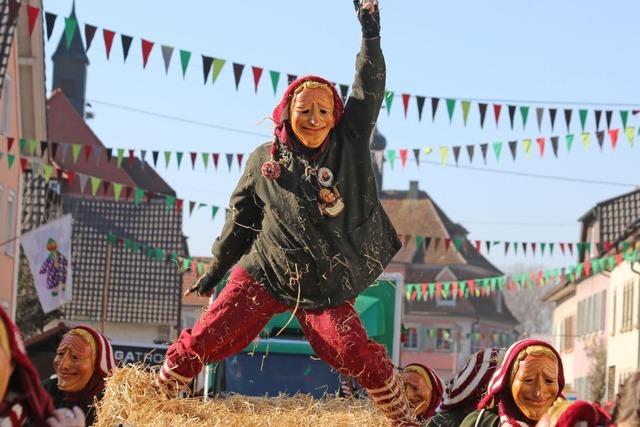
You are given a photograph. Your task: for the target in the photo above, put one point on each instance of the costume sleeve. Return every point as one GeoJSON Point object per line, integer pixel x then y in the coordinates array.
{"type": "Point", "coordinates": [367, 91]}
{"type": "Point", "coordinates": [241, 225]}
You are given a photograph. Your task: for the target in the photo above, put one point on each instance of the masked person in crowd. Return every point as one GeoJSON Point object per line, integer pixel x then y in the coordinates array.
{"type": "Point", "coordinates": [463, 392]}
{"type": "Point", "coordinates": [627, 410]}
{"type": "Point", "coordinates": [23, 401]}
{"type": "Point", "coordinates": [83, 360]}
{"type": "Point", "coordinates": [423, 388]}
{"type": "Point", "coordinates": [522, 389]}
{"type": "Point", "coordinates": [308, 232]}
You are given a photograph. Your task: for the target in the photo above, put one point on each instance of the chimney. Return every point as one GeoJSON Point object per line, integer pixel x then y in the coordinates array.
{"type": "Point", "coordinates": [413, 190]}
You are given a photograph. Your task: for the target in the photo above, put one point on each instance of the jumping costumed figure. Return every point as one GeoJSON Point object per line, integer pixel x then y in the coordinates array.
{"type": "Point", "coordinates": [55, 267]}
{"type": "Point", "coordinates": [522, 389]}
{"type": "Point", "coordinates": [308, 234]}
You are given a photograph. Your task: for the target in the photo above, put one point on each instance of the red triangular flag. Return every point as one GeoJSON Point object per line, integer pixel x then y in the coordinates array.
{"type": "Point", "coordinates": [240, 156]}
{"type": "Point", "coordinates": [191, 206]}
{"type": "Point", "coordinates": [146, 50]}
{"type": "Point", "coordinates": [570, 248]}
{"type": "Point", "coordinates": [562, 247]}
{"type": "Point", "coordinates": [447, 243]}
{"type": "Point", "coordinates": [33, 13]}
{"type": "Point", "coordinates": [257, 73]}
{"type": "Point", "coordinates": [618, 259]}
{"type": "Point", "coordinates": [178, 205]}
{"type": "Point", "coordinates": [194, 156]}
{"type": "Point", "coordinates": [108, 40]}
{"type": "Point", "coordinates": [215, 156]}
{"type": "Point", "coordinates": [105, 187]}
{"type": "Point", "coordinates": [405, 103]}
{"type": "Point", "coordinates": [70, 177]}
{"type": "Point", "coordinates": [587, 268]}
{"type": "Point", "coordinates": [613, 135]}
{"type": "Point", "coordinates": [23, 164]}
{"type": "Point", "coordinates": [533, 248]}
{"type": "Point", "coordinates": [607, 246]}
{"type": "Point", "coordinates": [9, 143]}
{"type": "Point", "coordinates": [132, 156]}
{"type": "Point", "coordinates": [540, 142]}
{"type": "Point", "coordinates": [87, 152]}
{"type": "Point", "coordinates": [403, 156]}
{"type": "Point", "coordinates": [496, 112]}
{"type": "Point", "coordinates": [478, 243]}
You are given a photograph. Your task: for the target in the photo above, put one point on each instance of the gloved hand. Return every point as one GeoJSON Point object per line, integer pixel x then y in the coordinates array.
{"type": "Point", "coordinates": [205, 285]}
{"type": "Point", "coordinates": [369, 17]}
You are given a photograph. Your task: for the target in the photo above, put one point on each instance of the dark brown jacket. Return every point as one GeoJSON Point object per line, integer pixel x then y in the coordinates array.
{"type": "Point", "coordinates": [275, 228]}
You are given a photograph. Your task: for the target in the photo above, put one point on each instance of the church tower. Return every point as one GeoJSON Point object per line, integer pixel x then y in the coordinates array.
{"type": "Point", "coordinates": [70, 68]}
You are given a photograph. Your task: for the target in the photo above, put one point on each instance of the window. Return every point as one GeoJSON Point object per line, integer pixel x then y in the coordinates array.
{"type": "Point", "coordinates": [613, 314]}
{"type": "Point", "coordinates": [411, 338]}
{"type": "Point", "coordinates": [443, 339]}
{"type": "Point", "coordinates": [627, 306]}
{"type": "Point", "coordinates": [567, 334]}
{"type": "Point", "coordinates": [6, 105]}
{"type": "Point", "coordinates": [591, 314]}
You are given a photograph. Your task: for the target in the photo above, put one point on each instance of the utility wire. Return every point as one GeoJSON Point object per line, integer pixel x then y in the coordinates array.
{"type": "Point", "coordinates": [245, 132]}
{"type": "Point", "coordinates": [180, 119]}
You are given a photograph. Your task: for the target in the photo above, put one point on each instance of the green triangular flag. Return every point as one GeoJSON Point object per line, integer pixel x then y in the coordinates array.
{"type": "Point", "coordinates": [631, 134]}
{"type": "Point", "coordinates": [48, 169]}
{"type": "Point", "coordinates": [33, 145]}
{"type": "Point", "coordinates": [451, 106]}
{"type": "Point", "coordinates": [185, 56]}
{"type": "Point", "coordinates": [214, 211]}
{"type": "Point", "coordinates": [542, 247]}
{"type": "Point", "coordinates": [138, 196]}
{"type": "Point", "coordinates": [111, 239]}
{"type": "Point", "coordinates": [120, 154]}
{"type": "Point", "coordinates": [200, 268]}
{"type": "Point", "coordinates": [586, 140]}
{"type": "Point", "coordinates": [95, 183]}
{"type": "Point", "coordinates": [205, 160]}
{"type": "Point", "coordinates": [527, 145]}
{"type": "Point", "coordinates": [583, 118]}
{"type": "Point", "coordinates": [75, 150]}
{"type": "Point", "coordinates": [275, 78]}
{"type": "Point", "coordinates": [179, 155]}
{"type": "Point", "coordinates": [391, 157]}
{"type": "Point", "coordinates": [217, 67]}
{"type": "Point", "coordinates": [10, 159]}
{"type": "Point", "coordinates": [524, 112]}
{"type": "Point", "coordinates": [70, 26]}
{"type": "Point", "coordinates": [388, 100]}
{"type": "Point", "coordinates": [611, 262]}
{"type": "Point", "coordinates": [170, 201]}
{"type": "Point", "coordinates": [497, 148]}
{"type": "Point", "coordinates": [457, 243]}
{"type": "Point", "coordinates": [23, 144]}
{"type": "Point", "coordinates": [117, 189]}
{"type": "Point", "coordinates": [186, 263]}
{"type": "Point", "coordinates": [407, 292]}
{"type": "Point", "coordinates": [569, 141]}
{"type": "Point", "coordinates": [551, 245]}
{"type": "Point", "coordinates": [167, 158]}
{"type": "Point", "coordinates": [419, 242]}
{"type": "Point", "coordinates": [624, 114]}
{"type": "Point", "coordinates": [432, 290]}
{"type": "Point", "coordinates": [465, 111]}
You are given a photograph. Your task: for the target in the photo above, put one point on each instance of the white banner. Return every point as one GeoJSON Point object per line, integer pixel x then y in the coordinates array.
{"type": "Point", "coordinates": [48, 249]}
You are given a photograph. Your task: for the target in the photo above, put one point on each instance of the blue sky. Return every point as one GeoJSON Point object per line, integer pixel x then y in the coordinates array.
{"type": "Point", "coordinates": [574, 53]}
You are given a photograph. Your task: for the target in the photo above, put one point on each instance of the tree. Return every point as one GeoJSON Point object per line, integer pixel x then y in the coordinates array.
{"type": "Point", "coordinates": [526, 304]}
{"type": "Point", "coordinates": [596, 351]}
{"type": "Point", "coordinates": [29, 315]}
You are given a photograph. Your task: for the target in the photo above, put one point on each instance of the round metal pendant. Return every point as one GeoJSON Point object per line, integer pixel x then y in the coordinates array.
{"type": "Point", "coordinates": [325, 177]}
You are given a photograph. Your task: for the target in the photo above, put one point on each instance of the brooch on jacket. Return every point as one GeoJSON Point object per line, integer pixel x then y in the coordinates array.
{"type": "Point", "coordinates": [329, 200]}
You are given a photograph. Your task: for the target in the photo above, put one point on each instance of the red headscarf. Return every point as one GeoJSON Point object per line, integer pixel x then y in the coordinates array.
{"type": "Point", "coordinates": [467, 386]}
{"type": "Point", "coordinates": [499, 389]}
{"type": "Point", "coordinates": [280, 113]}
{"type": "Point", "coordinates": [104, 363]}
{"type": "Point", "coordinates": [578, 411]}
{"type": "Point", "coordinates": [32, 403]}
{"type": "Point", "coordinates": [436, 387]}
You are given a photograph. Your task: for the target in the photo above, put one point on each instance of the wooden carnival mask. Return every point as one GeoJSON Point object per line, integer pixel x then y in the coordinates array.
{"type": "Point", "coordinates": [418, 389]}
{"type": "Point", "coordinates": [311, 113]}
{"type": "Point", "coordinates": [6, 364]}
{"type": "Point", "coordinates": [74, 362]}
{"type": "Point", "coordinates": [534, 385]}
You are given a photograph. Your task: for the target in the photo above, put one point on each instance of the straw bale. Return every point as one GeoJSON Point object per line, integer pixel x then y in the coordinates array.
{"type": "Point", "coordinates": [131, 399]}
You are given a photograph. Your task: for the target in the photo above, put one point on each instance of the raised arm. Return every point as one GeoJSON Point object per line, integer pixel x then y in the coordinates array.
{"type": "Point", "coordinates": [239, 231]}
{"type": "Point", "coordinates": [367, 91]}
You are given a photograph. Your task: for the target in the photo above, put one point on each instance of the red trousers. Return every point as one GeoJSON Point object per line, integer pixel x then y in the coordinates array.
{"type": "Point", "coordinates": [244, 307]}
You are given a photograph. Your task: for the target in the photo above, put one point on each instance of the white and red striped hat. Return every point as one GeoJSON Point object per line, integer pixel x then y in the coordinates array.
{"type": "Point", "coordinates": [468, 385]}
{"type": "Point", "coordinates": [105, 359]}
